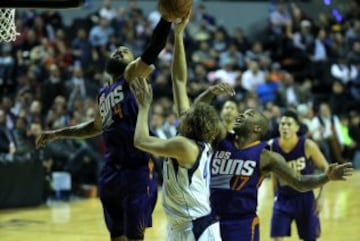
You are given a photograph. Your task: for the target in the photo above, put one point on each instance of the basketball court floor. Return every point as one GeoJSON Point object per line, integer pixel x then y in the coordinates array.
{"type": "Point", "coordinates": [82, 220]}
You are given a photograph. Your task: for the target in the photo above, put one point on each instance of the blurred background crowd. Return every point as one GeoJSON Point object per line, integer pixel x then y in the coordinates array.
{"type": "Point", "coordinates": [50, 75]}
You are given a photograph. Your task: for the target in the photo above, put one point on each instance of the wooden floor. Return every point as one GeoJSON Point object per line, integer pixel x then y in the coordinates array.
{"type": "Point", "coordinates": [82, 220]}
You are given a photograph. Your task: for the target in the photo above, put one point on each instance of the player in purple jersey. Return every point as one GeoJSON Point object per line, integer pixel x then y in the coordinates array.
{"type": "Point", "coordinates": [126, 185]}
{"type": "Point", "coordinates": [303, 155]}
{"type": "Point", "coordinates": [238, 166]}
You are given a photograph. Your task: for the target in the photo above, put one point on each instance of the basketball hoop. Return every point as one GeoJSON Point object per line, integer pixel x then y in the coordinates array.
{"type": "Point", "coordinates": [7, 25]}
{"type": "Point", "coordinates": [7, 13]}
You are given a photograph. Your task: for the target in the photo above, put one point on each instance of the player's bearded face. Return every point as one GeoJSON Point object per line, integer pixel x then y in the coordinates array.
{"type": "Point", "coordinates": [118, 61]}
{"type": "Point", "coordinates": [122, 54]}
{"type": "Point", "coordinates": [115, 67]}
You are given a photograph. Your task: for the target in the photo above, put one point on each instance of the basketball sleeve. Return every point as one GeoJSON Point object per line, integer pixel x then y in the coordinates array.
{"type": "Point", "coordinates": [157, 42]}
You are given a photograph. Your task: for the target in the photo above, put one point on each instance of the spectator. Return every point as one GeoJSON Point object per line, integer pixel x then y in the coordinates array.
{"type": "Point", "coordinates": [353, 33]}
{"type": "Point", "coordinates": [24, 141]}
{"type": "Point", "coordinates": [266, 92]}
{"type": "Point", "coordinates": [198, 82]}
{"type": "Point", "coordinates": [204, 17]}
{"type": "Point", "coordinates": [81, 48]}
{"type": "Point", "coordinates": [339, 98]}
{"type": "Point", "coordinates": [226, 74]}
{"type": "Point", "coordinates": [107, 11]}
{"type": "Point", "coordinates": [319, 52]}
{"type": "Point", "coordinates": [229, 112]}
{"type": "Point", "coordinates": [100, 33]}
{"type": "Point", "coordinates": [280, 19]}
{"type": "Point", "coordinates": [52, 86]}
{"type": "Point", "coordinates": [305, 113]}
{"type": "Point", "coordinates": [10, 118]}
{"type": "Point", "coordinates": [349, 144]}
{"type": "Point", "coordinates": [204, 55]}
{"type": "Point", "coordinates": [157, 121]}
{"type": "Point", "coordinates": [252, 77]}
{"type": "Point", "coordinates": [232, 52]}
{"type": "Point", "coordinates": [343, 71]}
{"type": "Point", "coordinates": [76, 86]}
{"type": "Point", "coordinates": [354, 55]}
{"type": "Point", "coordinates": [303, 39]}
{"type": "Point", "coordinates": [354, 132]}
{"type": "Point", "coordinates": [257, 53]}
{"type": "Point", "coordinates": [7, 68]}
{"type": "Point", "coordinates": [240, 40]}
{"type": "Point", "coordinates": [219, 40]}
{"type": "Point", "coordinates": [327, 132]}
{"type": "Point", "coordinates": [7, 143]}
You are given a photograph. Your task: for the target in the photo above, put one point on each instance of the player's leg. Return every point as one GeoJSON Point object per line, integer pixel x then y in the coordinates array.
{"type": "Point", "coordinates": [309, 228]}
{"type": "Point", "coordinates": [127, 219]}
{"type": "Point", "coordinates": [111, 197]}
{"type": "Point", "coordinates": [280, 221]}
{"type": "Point", "coordinates": [244, 229]}
{"type": "Point", "coordinates": [122, 238]}
{"type": "Point", "coordinates": [309, 231]}
{"type": "Point", "coordinates": [138, 213]}
{"type": "Point", "coordinates": [307, 222]}
{"type": "Point", "coordinates": [114, 217]}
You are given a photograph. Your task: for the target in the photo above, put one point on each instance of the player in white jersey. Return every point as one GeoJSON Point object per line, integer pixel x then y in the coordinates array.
{"type": "Point", "coordinates": [186, 180]}
{"type": "Point", "coordinates": [186, 195]}
{"type": "Point", "coordinates": [185, 172]}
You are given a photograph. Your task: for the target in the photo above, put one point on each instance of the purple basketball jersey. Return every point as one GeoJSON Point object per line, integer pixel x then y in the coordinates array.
{"type": "Point", "coordinates": [118, 109]}
{"type": "Point", "coordinates": [235, 178]}
{"type": "Point", "coordinates": [297, 160]}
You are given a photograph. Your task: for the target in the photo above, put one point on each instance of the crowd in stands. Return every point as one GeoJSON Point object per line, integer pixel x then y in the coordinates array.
{"type": "Point", "coordinates": [50, 75]}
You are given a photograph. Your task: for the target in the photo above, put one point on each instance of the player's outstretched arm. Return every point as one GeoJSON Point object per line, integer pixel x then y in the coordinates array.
{"type": "Point", "coordinates": [177, 147]}
{"type": "Point", "coordinates": [143, 66]}
{"type": "Point", "coordinates": [274, 162]}
{"type": "Point", "coordinates": [219, 89]}
{"type": "Point", "coordinates": [83, 130]}
{"type": "Point", "coordinates": [179, 68]}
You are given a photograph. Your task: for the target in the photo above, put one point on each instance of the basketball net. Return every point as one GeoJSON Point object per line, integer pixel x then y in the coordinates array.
{"type": "Point", "coordinates": [7, 25]}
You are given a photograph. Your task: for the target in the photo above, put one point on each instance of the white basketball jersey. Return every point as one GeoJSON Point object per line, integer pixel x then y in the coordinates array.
{"type": "Point", "coordinates": [186, 192]}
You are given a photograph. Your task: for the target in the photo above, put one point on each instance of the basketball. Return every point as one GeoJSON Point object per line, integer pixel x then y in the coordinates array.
{"type": "Point", "coordinates": [174, 9]}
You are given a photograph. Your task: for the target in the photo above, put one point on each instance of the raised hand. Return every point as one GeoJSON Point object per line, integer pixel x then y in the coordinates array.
{"type": "Point", "coordinates": [142, 91]}
{"type": "Point", "coordinates": [338, 172]}
{"type": "Point", "coordinates": [222, 89]}
{"type": "Point", "coordinates": [137, 69]}
{"type": "Point", "coordinates": [180, 25]}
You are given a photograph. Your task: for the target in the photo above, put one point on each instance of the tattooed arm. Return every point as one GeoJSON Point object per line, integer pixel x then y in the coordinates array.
{"type": "Point", "coordinates": [273, 162]}
{"type": "Point", "coordinates": [81, 131]}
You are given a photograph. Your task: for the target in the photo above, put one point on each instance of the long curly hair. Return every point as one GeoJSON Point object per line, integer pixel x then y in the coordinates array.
{"type": "Point", "coordinates": [200, 123]}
